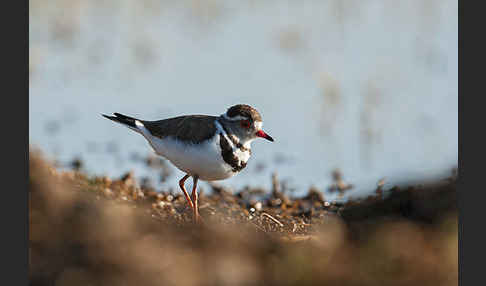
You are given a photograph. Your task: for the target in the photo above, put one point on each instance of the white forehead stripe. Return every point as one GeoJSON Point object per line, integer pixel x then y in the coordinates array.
{"type": "Point", "coordinates": [258, 125]}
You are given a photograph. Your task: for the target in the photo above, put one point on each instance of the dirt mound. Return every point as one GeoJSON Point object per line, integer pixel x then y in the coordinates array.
{"type": "Point", "coordinates": [102, 231]}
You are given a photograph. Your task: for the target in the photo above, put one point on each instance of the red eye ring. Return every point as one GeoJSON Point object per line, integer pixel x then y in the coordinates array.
{"type": "Point", "coordinates": [245, 123]}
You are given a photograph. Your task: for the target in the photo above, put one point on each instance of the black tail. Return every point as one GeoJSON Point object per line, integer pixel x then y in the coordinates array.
{"type": "Point", "coordinates": [123, 119]}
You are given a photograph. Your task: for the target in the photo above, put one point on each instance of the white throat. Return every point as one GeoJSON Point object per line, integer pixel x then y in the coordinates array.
{"type": "Point", "coordinates": [247, 143]}
{"type": "Point", "coordinates": [242, 155]}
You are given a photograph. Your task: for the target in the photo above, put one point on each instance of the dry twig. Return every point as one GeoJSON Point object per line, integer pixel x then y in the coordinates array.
{"type": "Point", "coordinates": [274, 219]}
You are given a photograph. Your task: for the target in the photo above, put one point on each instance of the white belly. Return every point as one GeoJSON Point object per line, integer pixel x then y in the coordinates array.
{"type": "Point", "coordinates": [203, 159]}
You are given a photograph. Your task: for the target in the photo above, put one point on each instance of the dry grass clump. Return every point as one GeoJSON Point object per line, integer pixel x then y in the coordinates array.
{"type": "Point", "coordinates": [98, 231]}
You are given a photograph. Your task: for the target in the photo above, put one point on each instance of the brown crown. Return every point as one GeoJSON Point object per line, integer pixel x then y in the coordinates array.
{"type": "Point", "coordinates": [244, 110]}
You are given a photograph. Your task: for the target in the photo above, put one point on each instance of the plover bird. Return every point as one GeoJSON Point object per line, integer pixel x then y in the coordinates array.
{"type": "Point", "coordinates": [207, 148]}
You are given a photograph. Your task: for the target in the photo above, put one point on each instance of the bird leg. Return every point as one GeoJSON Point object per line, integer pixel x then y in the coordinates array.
{"type": "Point", "coordinates": [186, 194]}
{"type": "Point", "coordinates": [194, 196]}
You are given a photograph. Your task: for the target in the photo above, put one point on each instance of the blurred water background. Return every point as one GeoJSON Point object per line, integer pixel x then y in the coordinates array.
{"type": "Point", "coordinates": [369, 87]}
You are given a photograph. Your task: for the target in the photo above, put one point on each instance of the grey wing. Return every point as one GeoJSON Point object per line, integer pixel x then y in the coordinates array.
{"type": "Point", "coordinates": [194, 128]}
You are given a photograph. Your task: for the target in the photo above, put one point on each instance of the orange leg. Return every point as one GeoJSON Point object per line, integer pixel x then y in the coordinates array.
{"type": "Point", "coordinates": [186, 194]}
{"type": "Point", "coordinates": [196, 217]}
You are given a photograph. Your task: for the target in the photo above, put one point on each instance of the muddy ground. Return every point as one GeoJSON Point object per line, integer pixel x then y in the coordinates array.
{"type": "Point", "coordinates": [110, 231]}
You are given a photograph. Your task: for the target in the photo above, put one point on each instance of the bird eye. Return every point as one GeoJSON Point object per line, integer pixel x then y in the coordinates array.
{"type": "Point", "coordinates": [245, 123]}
